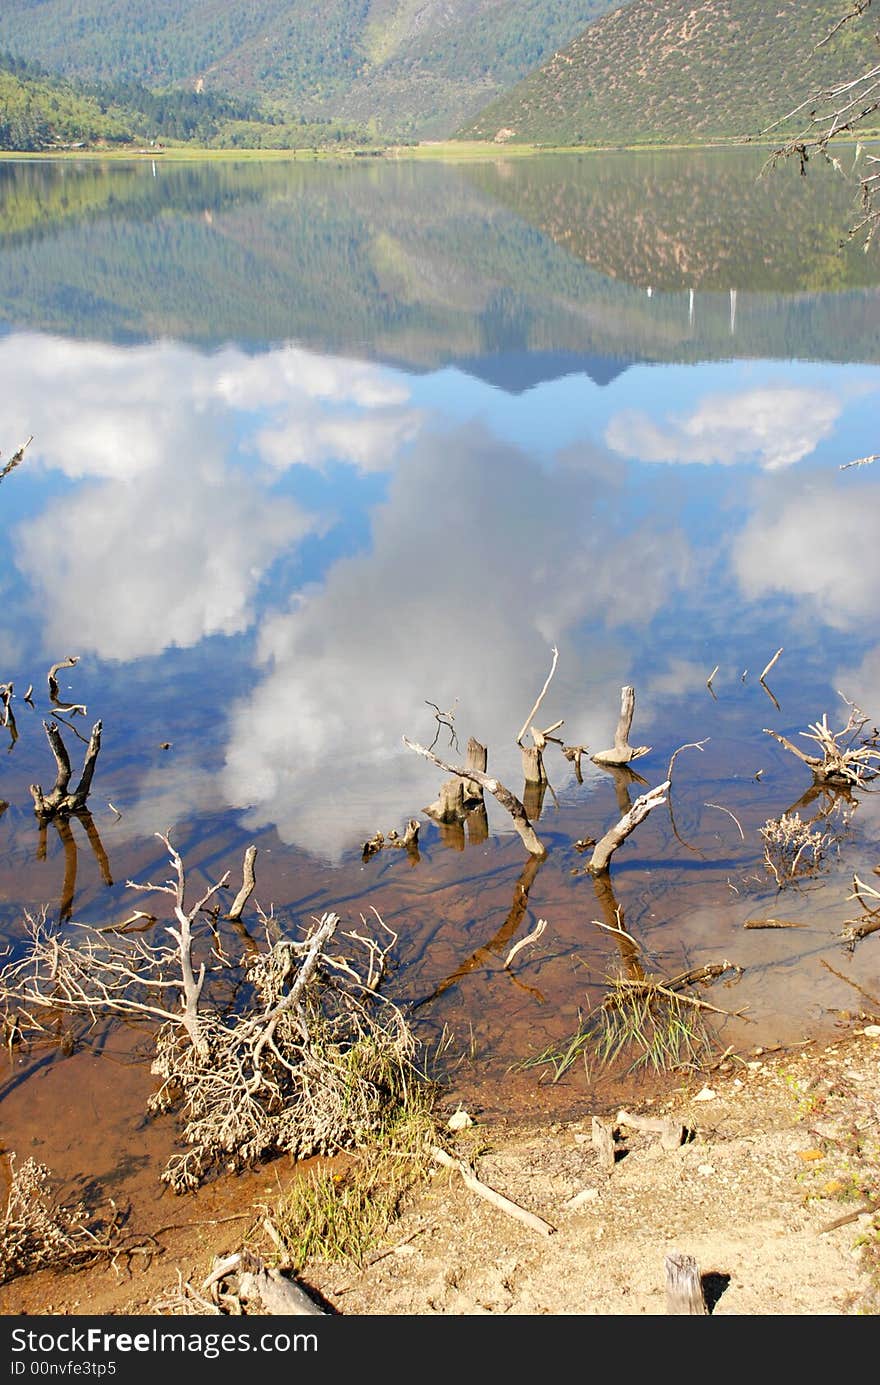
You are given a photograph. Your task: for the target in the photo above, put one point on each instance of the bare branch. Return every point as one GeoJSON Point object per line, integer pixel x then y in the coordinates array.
{"type": "Point", "coordinates": [528, 721]}
{"type": "Point", "coordinates": [604, 849]}
{"type": "Point", "coordinates": [248, 884]}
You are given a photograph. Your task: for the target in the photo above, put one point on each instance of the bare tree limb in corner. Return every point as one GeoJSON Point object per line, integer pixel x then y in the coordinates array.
{"type": "Point", "coordinates": [835, 112]}
{"type": "Point", "coordinates": [507, 800]}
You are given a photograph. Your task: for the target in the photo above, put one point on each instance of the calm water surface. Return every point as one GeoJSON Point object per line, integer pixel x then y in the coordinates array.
{"type": "Point", "coordinates": [320, 450]}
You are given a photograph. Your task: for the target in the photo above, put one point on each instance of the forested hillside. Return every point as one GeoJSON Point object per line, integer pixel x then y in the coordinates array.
{"type": "Point", "coordinates": [40, 112]}
{"type": "Point", "coordinates": [659, 71]}
{"type": "Point", "coordinates": [409, 66]}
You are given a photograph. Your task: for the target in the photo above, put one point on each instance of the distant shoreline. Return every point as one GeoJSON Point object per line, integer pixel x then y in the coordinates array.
{"type": "Point", "coordinates": [448, 151]}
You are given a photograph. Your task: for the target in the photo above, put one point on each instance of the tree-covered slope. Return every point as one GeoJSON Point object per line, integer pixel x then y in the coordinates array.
{"type": "Point", "coordinates": [659, 71]}
{"type": "Point", "coordinates": [409, 65]}
{"type": "Point", "coordinates": [40, 112]}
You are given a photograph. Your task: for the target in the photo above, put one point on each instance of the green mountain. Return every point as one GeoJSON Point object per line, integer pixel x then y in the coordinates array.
{"type": "Point", "coordinates": [413, 67]}
{"type": "Point", "coordinates": [40, 111]}
{"type": "Point", "coordinates": [661, 71]}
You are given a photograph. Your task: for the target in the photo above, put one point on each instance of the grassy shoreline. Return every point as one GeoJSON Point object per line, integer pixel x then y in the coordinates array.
{"type": "Point", "coordinates": [452, 151]}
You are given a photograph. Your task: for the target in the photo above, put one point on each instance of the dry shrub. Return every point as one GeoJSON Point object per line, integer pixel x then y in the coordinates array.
{"type": "Point", "coordinates": [40, 1232]}
{"type": "Point", "coordinates": [793, 849]}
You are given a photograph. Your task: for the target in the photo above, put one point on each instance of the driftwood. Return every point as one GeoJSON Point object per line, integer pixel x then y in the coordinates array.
{"type": "Point", "coordinates": [575, 753]}
{"type": "Point", "coordinates": [61, 801]}
{"type": "Point", "coordinates": [7, 717]}
{"type": "Point", "coordinates": [856, 929]}
{"type": "Point", "coordinates": [530, 938]}
{"type": "Point", "coordinates": [507, 800]}
{"type": "Point", "coordinates": [52, 676]}
{"type": "Point", "coordinates": [622, 752]}
{"type": "Point", "coordinates": [248, 883]}
{"type": "Point", "coordinates": [259, 1287]}
{"type": "Point", "coordinates": [617, 835]}
{"type": "Point", "coordinates": [409, 841]}
{"type": "Point", "coordinates": [772, 923]}
{"type": "Point", "coordinates": [458, 796]}
{"type": "Point", "coordinates": [602, 1136]}
{"type": "Point", "coordinates": [684, 1286]}
{"type": "Point", "coordinates": [671, 1132]}
{"type": "Point", "coordinates": [483, 1190]}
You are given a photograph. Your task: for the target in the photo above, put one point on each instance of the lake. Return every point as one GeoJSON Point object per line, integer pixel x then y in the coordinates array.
{"type": "Point", "coordinates": [326, 455]}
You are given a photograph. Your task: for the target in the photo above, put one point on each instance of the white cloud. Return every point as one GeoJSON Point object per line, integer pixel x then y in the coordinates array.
{"type": "Point", "coordinates": [480, 562]}
{"type": "Point", "coordinates": [815, 546]}
{"type": "Point", "coordinates": [165, 540]}
{"type": "Point", "coordinates": [127, 570]}
{"type": "Point", "coordinates": [775, 426]}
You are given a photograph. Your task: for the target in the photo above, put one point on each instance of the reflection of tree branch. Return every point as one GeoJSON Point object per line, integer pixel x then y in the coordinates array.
{"type": "Point", "coordinates": [612, 917]}
{"type": "Point", "coordinates": [502, 938]}
{"type": "Point", "coordinates": [97, 845]}
{"type": "Point", "coordinates": [691, 745]}
{"type": "Point", "coordinates": [68, 842]}
{"type": "Point", "coordinates": [623, 776]}
{"type": "Point", "coordinates": [68, 887]}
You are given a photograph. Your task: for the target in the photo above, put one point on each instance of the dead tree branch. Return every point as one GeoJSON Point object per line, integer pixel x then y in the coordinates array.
{"type": "Point", "coordinates": [617, 835]}
{"type": "Point", "coordinates": [52, 676]}
{"type": "Point", "coordinates": [248, 883]}
{"type": "Point", "coordinates": [847, 757]}
{"type": "Point", "coordinates": [829, 114]}
{"type": "Point", "coordinates": [61, 801]}
{"type": "Point", "coordinates": [532, 755]}
{"type": "Point", "coordinates": [504, 1204]}
{"type": "Point", "coordinates": [312, 1066]}
{"type": "Point", "coordinates": [493, 786]}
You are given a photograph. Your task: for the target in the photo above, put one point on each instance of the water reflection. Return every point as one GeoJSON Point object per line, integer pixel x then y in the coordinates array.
{"type": "Point", "coordinates": [177, 498]}
{"type": "Point", "coordinates": [319, 452]}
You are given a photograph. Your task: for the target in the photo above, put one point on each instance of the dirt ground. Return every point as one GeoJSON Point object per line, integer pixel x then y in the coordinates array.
{"type": "Point", "coordinates": [774, 1190]}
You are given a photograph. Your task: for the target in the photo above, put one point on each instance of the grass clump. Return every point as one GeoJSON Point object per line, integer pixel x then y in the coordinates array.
{"type": "Point", "coordinates": [644, 1022]}
{"type": "Point", "coordinates": [339, 1213]}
